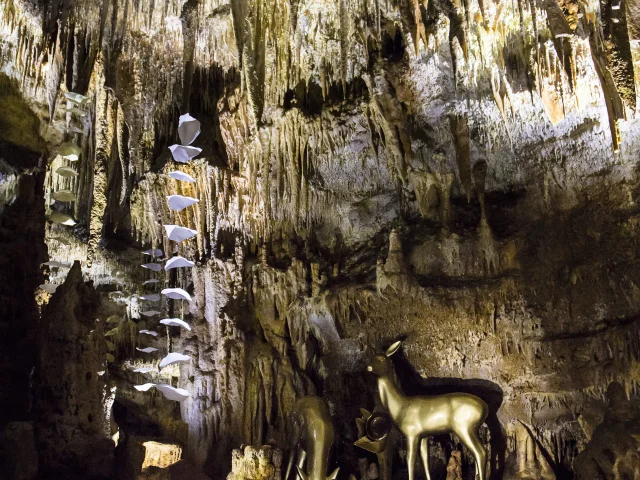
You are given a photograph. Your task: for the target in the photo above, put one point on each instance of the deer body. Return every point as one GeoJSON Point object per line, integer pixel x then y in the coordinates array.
{"type": "Point", "coordinates": [315, 436]}
{"type": "Point", "coordinates": [422, 416]}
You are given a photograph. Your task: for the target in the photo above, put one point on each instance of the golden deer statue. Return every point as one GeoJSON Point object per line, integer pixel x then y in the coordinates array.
{"type": "Point", "coordinates": [422, 416]}
{"type": "Point", "coordinates": [314, 434]}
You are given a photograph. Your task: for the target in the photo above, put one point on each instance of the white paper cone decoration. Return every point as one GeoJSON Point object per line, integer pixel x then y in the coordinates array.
{"type": "Point", "coordinates": [76, 98]}
{"type": "Point", "coordinates": [61, 241]}
{"type": "Point", "coordinates": [179, 234]}
{"type": "Point", "coordinates": [62, 219]}
{"type": "Point", "coordinates": [188, 129]}
{"type": "Point", "coordinates": [147, 349]}
{"type": "Point", "coordinates": [175, 322]}
{"type": "Point", "coordinates": [172, 393]}
{"type": "Point", "coordinates": [66, 172]}
{"type": "Point", "coordinates": [169, 392]}
{"type": "Point", "coordinates": [184, 154]}
{"type": "Point", "coordinates": [154, 267]}
{"type": "Point", "coordinates": [178, 262]}
{"type": "Point", "coordinates": [64, 196]}
{"type": "Point", "coordinates": [49, 288]}
{"type": "Point", "coordinates": [150, 281]}
{"type": "Point", "coordinates": [144, 388]}
{"type": "Point", "coordinates": [153, 297]}
{"type": "Point", "coordinates": [56, 264]}
{"type": "Point", "coordinates": [143, 370]}
{"type": "Point", "coordinates": [150, 313]}
{"type": "Point", "coordinates": [154, 252]}
{"type": "Point", "coordinates": [176, 294]}
{"type": "Point", "coordinates": [70, 151]}
{"type": "Point", "coordinates": [183, 177]}
{"type": "Point", "coordinates": [178, 202]}
{"type": "Point", "coordinates": [174, 358]}
{"type": "Point", "coordinates": [149, 332]}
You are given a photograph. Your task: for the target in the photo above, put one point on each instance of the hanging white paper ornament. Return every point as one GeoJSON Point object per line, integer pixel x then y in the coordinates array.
{"type": "Point", "coordinates": [149, 332]}
{"type": "Point", "coordinates": [154, 252]}
{"type": "Point", "coordinates": [56, 264]}
{"type": "Point", "coordinates": [147, 349]}
{"type": "Point", "coordinates": [153, 297]}
{"type": "Point", "coordinates": [64, 196]}
{"type": "Point", "coordinates": [184, 154]}
{"type": "Point", "coordinates": [172, 393]}
{"type": "Point", "coordinates": [175, 322]}
{"type": "Point", "coordinates": [144, 388]}
{"type": "Point", "coordinates": [66, 172]}
{"type": "Point", "coordinates": [61, 218]}
{"type": "Point", "coordinates": [178, 202]}
{"type": "Point", "coordinates": [69, 151]}
{"type": "Point", "coordinates": [188, 129]}
{"type": "Point", "coordinates": [150, 313]}
{"type": "Point", "coordinates": [150, 281]}
{"type": "Point", "coordinates": [49, 288]}
{"type": "Point", "coordinates": [154, 267]}
{"type": "Point", "coordinates": [176, 294]}
{"type": "Point", "coordinates": [178, 233]}
{"type": "Point", "coordinates": [178, 262]}
{"type": "Point", "coordinates": [76, 98]}
{"type": "Point", "coordinates": [174, 358]}
{"type": "Point", "coordinates": [183, 177]}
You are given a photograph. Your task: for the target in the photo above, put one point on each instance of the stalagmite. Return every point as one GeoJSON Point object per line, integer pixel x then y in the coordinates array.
{"type": "Point", "coordinates": [176, 294]}
{"type": "Point", "coordinates": [178, 202]}
{"type": "Point", "coordinates": [178, 262]}
{"type": "Point", "coordinates": [179, 234]}
{"type": "Point", "coordinates": [174, 358]}
{"type": "Point", "coordinates": [175, 322]}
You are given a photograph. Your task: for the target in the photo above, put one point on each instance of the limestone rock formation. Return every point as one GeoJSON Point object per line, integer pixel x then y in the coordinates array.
{"type": "Point", "coordinates": [459, 174]}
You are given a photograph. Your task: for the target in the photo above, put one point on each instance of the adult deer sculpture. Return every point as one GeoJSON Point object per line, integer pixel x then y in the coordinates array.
{"type": "Point", "coordinates": [419, 417]}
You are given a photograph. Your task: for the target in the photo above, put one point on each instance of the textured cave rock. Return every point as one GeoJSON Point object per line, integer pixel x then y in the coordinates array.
{"type": "Point", "coordinates": [461, 175]}
{"type": "Point", "coordinates": [73, 398]}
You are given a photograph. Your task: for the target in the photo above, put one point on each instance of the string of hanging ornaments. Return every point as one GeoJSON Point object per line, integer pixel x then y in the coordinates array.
{"type": "Point", "coordinates": [62, 172]}
{"type": "Point", "coordinates": [188, 131]}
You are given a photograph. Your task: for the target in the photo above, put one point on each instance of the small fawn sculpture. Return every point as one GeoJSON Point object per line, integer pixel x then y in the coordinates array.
{"type": "Point", "coordinates": [314, 434]}
{"type": "Point", "coordinates": [422, 416]}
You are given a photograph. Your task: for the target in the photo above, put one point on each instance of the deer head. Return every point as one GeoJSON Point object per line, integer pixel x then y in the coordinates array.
{"type": "Point", "coordinates": [381, 364]}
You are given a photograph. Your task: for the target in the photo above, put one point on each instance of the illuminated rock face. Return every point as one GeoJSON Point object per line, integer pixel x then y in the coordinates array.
{"type": "Point", "coordinates": [443, 171]}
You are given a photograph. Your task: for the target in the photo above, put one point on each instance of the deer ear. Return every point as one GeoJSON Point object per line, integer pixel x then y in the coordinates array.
{"type": "Point", "coordinates": [393, 348]}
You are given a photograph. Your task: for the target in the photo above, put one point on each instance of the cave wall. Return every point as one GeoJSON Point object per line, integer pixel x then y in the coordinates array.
{"type": "Point", "coordinates": [461, 175]}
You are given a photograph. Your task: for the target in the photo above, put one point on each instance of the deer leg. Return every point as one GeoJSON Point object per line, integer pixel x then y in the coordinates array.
{"type": "Point", "coordinates": [424, 453]}
{"type": "Point", "coordinates": [302, 456]}
{"type": "Point", "coordinates": [412, 446]}
{"type": "Point", "coordinates": [473, 443]}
